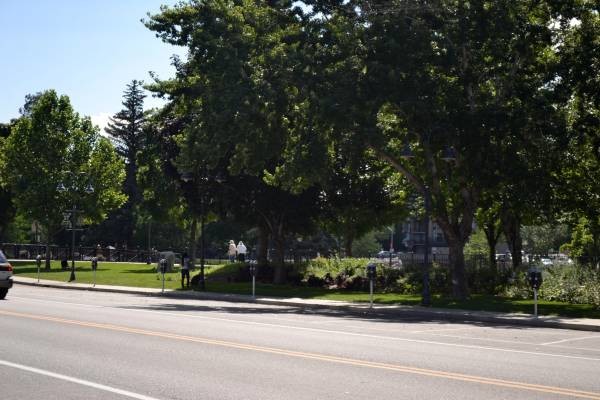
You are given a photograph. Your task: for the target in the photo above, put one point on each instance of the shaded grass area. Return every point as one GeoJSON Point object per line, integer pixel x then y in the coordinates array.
{"type": "Point", "coordinates": [143, 275]}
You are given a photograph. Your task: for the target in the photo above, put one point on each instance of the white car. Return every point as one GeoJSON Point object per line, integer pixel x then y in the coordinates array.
{"type": "Point", "coordinates": [5, 276]}
{"type": "Point", "coordinates": [546, 262]}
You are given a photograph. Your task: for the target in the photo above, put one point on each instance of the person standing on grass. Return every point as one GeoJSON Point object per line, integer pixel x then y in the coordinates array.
{"type": "Point", "coordinates": [241, 251]}
{"type": "Point", "coordinates": [232, 251]}
{"type": "Point", "coordinates": [185, 269]}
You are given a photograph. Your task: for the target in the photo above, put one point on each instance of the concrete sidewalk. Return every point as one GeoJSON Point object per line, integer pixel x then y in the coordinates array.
{"type": "Point", "coordinates": [584, 324]}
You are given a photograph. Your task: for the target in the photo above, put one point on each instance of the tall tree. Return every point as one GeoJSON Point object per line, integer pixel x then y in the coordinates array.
{"type": "Point", "coordinates": [7, 209]}
{"type": "Point", "coordinates": [440, 77]}
{"type": "Point", "coordinates": [125, 129]}
{"type": "Point", "coordinates": [580, 57]}
{"type": "Point", "coordinates": [236, 94]}
{"type": "Point", "coordinates": [51, 144]}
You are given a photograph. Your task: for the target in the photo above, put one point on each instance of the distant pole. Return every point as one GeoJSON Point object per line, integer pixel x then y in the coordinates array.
{"type": "Point", "coordinates": [371, 293]}
{"type": "Point", "coordinates": [202, 250]}
{"type": "Point", "coordinates": [426, 297]}
{"type": "Point", "coordinates": [73, 219]}
{"type": "Point", "coordinates": [38, 261]}
{"type": "Point", "coordinates": [149, 260]}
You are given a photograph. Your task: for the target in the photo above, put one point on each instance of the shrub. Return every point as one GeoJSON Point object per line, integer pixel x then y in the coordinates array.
{"type": "Point", "coordinates": [339, 269]}
{"type": "Point", "coordinates": [576, 285]}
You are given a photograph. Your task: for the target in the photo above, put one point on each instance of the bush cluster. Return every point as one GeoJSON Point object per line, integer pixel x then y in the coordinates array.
{"type": "Point", "coordinates": [571, 284]}
{"type": "Point", "coordinates": [576, 285]}
{"type": "Point", "coordinates": [335, 272]}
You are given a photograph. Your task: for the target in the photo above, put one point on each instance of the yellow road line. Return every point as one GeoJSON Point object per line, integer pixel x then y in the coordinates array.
{"type": "Point", "coordinates": [319, 357]}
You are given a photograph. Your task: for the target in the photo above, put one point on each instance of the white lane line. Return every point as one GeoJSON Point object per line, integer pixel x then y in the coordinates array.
{"type": "Point", "coordinates": [485, 339]}
{"type": "Point", "coordinates": [570, 340]}
{"type": "Point", "coordinates": [445, 330]}
{"type": "Point", "coordinates": [400, 329]}
{"type": "Point", "coordinates": [335, 332]}
{"type": "Point", "coordinates": [77, 380]}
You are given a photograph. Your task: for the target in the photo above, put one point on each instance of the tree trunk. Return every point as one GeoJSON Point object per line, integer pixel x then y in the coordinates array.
{"type": "Point", "coordinates": [280, 274]}
{"type": "Point", "coordinates": [48, 236]}
{"type": "Point", "coordinates": [492, 240]}
{"type": "Point", "coordinates": [595, 259]}
{"type": "Point", "coordinates": [193, 230]}
{"type": "Point", "coordinates": [262, 246]}
{"type": "Point", "coordinates": [348, 240]}
{"type": "Point", "coordinates": [511, 225]}
{"type": "Point", "coordinates": [457, 265]}
{"type": "Point", "coordinates": [47, 266]}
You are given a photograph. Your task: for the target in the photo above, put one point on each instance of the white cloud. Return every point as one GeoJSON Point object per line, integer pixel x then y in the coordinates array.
{"type": "Point", "coordinates": [101, 120]}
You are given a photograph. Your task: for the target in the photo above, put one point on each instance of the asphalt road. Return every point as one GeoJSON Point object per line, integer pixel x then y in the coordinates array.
{"type": "Point", "coordinates": [63, 344]}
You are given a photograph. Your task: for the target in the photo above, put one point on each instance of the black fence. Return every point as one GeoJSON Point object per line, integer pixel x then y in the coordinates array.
{"type": "Point", "coordinates": [30, 251]}
{"type": "Point", "coordinates": [82, 253]}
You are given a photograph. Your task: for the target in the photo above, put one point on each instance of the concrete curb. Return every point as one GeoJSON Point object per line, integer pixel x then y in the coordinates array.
{"type": "Point", "coordinates": [355, 309]}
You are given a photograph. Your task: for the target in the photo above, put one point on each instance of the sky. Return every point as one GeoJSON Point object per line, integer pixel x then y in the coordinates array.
{"type": "Point", "coordinates": [86, 49]}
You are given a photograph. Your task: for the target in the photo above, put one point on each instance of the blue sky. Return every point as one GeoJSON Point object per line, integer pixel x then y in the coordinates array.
{"type": "Point", "coordinates": [86, 49]}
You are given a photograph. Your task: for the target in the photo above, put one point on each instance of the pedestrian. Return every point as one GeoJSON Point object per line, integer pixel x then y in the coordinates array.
{"type": "Point", "coordinates": [241, 251]}
{"type": "Point", "coordinates": [232, 251]}
{"type": "Point", "coordinates": [185, 269]}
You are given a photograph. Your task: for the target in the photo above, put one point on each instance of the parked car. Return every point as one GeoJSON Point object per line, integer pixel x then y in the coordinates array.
{"type": "Point", "coordinates": [384, 254]}
{"type": "Point", "coordinates": [503, 257]}
{"type": "Point", "coordinates": [546, 262]}
{"type": "Point", "coordinates": [6, 272]}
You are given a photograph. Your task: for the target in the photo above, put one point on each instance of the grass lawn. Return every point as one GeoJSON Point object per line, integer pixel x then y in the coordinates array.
{"type": "Point", "coordinates": [120, 274]}
{"type": "Point", "coordinates": [143, 275]}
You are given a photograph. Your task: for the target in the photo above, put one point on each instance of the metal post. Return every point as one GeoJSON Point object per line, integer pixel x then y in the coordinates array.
{"type": "Point", "coordinates": [426, 300]}
{"type": "Point", "coordinates": [94, 285]}
{"type": "Point", "coordinates": [202, 282]}
{"type": "Point", "coordinates": [73, 219]}
{"type": "Point", "coordinates": [162, 269]}
{"type": "Point", "coordinates": [253, 286]}
{"type": "Point", "coordinates": [535, 301]}
{"type": "Point", "coordinates": [371, 293]}
{"type": "Point", "coordinates": [149, 260]}
{"type": "Point", "coordinates": [391, 243]}
{"type": "Point", "coordinates": [39, 263]}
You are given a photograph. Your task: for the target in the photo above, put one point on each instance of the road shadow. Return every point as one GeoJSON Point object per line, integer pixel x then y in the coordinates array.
{"type": "Point", "coordinates": [346, 314]}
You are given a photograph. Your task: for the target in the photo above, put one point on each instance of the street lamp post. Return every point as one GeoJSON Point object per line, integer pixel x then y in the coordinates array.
{"type": "Point", "coordinates": [72, 215]}
{"type": "Point", "coordinates": [391, 229]}
{"type": "Point", "coordinates": [426, 296]}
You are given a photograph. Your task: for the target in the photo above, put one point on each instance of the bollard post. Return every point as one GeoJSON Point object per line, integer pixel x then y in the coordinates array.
{"type": "Point", "coordinates": [253, 272]}
{"type": "Point", "coordinates": [535, 279]}
{"type": "Point", "coordinates": [38, 261]}
{"type": "Point", "coordinates": [163, 268]}
{"type": "Point", "coordinates": [371, 273]}
{"type": "Point", "coordinates": [371, 293]}
{"type": "Point", "coordinates": [94, 268]}
{"type": "Point", "coordinates": [535, 301]}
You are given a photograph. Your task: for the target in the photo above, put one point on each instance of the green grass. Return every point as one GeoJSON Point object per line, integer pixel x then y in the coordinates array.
{"type": "Point", "coordinates": [119, 274]}
{"type": "Point", "coordinates": [142, 275]}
